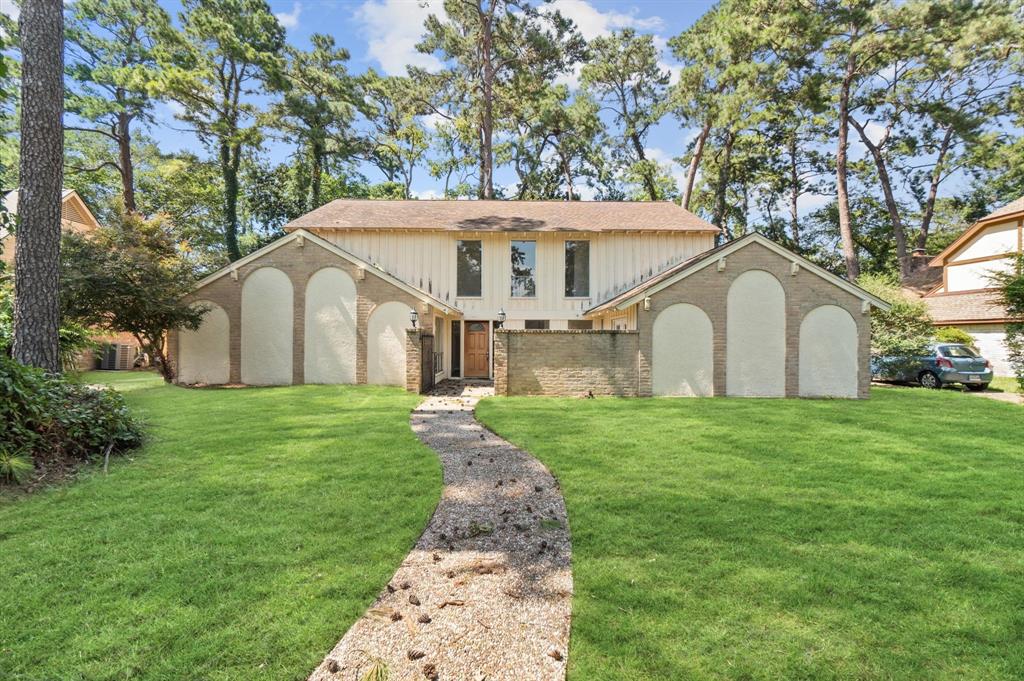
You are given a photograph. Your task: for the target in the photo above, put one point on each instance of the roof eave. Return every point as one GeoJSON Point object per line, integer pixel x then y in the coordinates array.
{"type": "Point", "coordinates": [645, 289]}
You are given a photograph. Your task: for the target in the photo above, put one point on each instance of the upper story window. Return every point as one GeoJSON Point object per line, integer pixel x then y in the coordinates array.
{"type": "Point", "coordinates": [469, 268]}
{"type": "Point", "coordinates": [577, 269]}
{"type": "Point", "coordinates": [524, 268]}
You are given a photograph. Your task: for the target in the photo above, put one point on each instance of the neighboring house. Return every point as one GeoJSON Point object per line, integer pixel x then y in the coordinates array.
{"type": "Point", "coordinates": [610, 297]}
{"type": "Point", "coordinates": [116, 351]}
{"type": "Point", "coordinates": [966, 297]}
{"type": "Point", "coordinates": [75, 216]}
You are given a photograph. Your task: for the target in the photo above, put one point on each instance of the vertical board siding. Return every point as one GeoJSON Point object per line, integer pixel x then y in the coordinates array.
{"type": "Point", "coordinates": [427, 260]}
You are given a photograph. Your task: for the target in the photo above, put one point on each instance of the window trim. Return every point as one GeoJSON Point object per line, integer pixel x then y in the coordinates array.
{"type": "Point", "coordinates": [565, 267]}
{"type": "Point", "coordinates": [511, 276]}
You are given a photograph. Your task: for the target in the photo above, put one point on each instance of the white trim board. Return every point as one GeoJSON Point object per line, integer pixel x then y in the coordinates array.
{"type": "Point", "coordinates": [299, 234]}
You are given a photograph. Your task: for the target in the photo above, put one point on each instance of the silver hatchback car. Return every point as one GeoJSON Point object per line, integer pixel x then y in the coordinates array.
{"type": "Point", "coordinates": [948, 363]}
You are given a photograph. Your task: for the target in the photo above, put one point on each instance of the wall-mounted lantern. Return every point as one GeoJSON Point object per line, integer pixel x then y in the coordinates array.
{"type": "Point", "coordinates": [647, 304]}
{"type": "Point", "coordinates": [414, 317]}
{"type": "Point", "coordinates": [501, 317]}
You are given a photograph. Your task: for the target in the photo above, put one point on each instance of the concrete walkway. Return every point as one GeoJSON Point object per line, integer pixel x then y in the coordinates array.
{"type": "Point", "coordinates": [486, 592]}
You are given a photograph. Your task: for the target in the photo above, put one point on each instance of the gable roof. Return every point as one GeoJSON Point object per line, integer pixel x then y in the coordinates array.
{"type": "Point", "coordinates": [959, 308]}
{"type": "Point", "coordinates": [684, 269]}
{"type": "Point", "coordinates": [503, 216]}
{"type": "Point", "coordinates": [327, 245]}
{"type": "Point", "coordinates": [1010, 210]}
{"type": "Point", "coordinates": [73, 207]}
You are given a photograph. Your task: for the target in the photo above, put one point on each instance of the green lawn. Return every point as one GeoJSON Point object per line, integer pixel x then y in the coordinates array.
{"type": "Point", "coordinates": [788, 539]}
{"type": "Point", "coordinates": [240, 543]}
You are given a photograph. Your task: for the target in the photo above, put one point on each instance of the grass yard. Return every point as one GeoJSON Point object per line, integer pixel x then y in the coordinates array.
{"type": "Point", "coordinates": [239, 543]}
{"type": "Point", "coordinates": [788, 539]}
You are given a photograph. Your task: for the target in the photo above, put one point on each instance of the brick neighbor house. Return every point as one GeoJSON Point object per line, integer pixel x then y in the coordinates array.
{"type": "Point", "coordinates": [965, 297]}
{"type": "Point", "coordinates": [542, 297]}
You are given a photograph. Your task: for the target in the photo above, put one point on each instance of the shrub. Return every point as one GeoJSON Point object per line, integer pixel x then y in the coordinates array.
{"type": "Point", "coordinates": [951, 334]}
{"type": "Point", "coordinates": [14, 467]}
{"type": "Point", "coordinates": [1011, 295]}
{"type": "Point", "coordinates": [905, 330]}
{"type": "Point", "coordinates": [51, 419]}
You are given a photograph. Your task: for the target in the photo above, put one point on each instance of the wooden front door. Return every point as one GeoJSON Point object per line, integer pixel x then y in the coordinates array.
{"type": "Point", "coordinates": [477, 350]}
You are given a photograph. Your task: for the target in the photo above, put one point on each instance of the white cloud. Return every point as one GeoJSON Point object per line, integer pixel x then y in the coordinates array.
{"type": "Point", "coordinates": [592, 22]}
{"type": "Point", "coordinates": [392, 28]}
{"type": "Point", "coordinates": [665, 160]}
{"type": "Point", "coordinates": [290, 19]}
{"type": "Point", "coordinates": [427, 194]}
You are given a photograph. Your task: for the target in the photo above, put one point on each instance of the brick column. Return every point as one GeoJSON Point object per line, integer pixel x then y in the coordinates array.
{"type": "Point", "coordinates": [413, 362]}
{"type": "Point", "coordinates": [501, 349]}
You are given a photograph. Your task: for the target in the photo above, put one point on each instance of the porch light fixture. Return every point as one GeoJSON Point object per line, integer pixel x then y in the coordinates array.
{"type": "Point", "coordinates": [413, 317]}
{"type": "Point", "coordinates": [647, 304]}
{"type": "Point", "coordinates": [501, 316]}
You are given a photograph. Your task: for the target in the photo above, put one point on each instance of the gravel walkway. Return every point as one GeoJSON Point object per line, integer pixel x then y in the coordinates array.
{"type": "Point", "coordinates": [486, 592]}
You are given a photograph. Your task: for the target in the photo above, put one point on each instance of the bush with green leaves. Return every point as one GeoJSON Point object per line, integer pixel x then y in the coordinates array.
{"type": "Point", "coordinates": [1011, 295]}
{"type": "Point", "coordinates": [953, 334]}
{"type": "Point", "coordinates": [904, 331]}
{"type": "Point", "coordinates": [46, 417]}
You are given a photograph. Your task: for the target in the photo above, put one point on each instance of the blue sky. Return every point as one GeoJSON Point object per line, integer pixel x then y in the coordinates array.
{"type": "Point", "coordinates": [383, 33]}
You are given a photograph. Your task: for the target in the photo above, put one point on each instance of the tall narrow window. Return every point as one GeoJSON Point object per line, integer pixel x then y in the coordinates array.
{"type": "Point", "coordinates": [577, 269]}
{"type": "Point", "coordinates": [456, 348]}
{"type": "Point", "coordinates": [469, 268]}
{"type": "Point", "coordinates": [524, 267]}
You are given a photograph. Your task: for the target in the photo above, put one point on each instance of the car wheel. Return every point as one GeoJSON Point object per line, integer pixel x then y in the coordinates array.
{"type": "Point", "coordinates": [977, 387]}
{"type": "Point", "coordinates": [928, 379]}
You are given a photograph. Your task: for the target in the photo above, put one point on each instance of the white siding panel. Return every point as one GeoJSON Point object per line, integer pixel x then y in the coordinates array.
{"type": "Point", "coordinates": [975, 275]}
{"type": "Point", "coordinates": [683, 361]}
{"type": "Point", "coordinates": [828, 353]}
{"type": "Point", "coordinates": [991, 342]}
{"type": "Point", "coordinates": [756, 336]}
{"type": "Point", "coordinates": [993, 240]}
{"type": "Point", "coordinates": [203, 354]}
{"type": "Point", "coordinates": [427, 260]}
{"type": "Point", "coordinates": [385, 337]}
{"type": "Point", "coordinates": [267, 328]}
{"type": "Point", "coordinates": [330, 327]}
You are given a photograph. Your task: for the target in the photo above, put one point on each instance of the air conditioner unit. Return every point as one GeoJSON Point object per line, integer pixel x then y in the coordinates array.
{"type": "Point", "coordinates": [117, 357]}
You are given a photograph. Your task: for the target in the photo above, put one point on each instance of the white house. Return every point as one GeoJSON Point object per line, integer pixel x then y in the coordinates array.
{"type": "Point", "coordinates": [966, 298]}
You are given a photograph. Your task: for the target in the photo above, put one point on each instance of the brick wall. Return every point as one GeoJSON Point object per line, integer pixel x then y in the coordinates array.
{"type": "Point", "coordinates": [300, 261]}
{"type": "Point", "coordinates": [565, 362]}
{"type": "Point", "coordinates": [708, 288]}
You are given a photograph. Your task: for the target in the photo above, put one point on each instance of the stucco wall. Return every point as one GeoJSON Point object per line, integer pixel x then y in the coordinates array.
{"type": "Point", "coordinates": [991, 342]}
{"type": "Point", "coordinates": [299, 261]}
{"type": "Point", "coordinates": [565, 362]}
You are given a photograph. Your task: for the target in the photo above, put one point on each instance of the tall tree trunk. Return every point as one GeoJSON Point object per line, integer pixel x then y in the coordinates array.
{"type": "Point", "coordinates": [127, 168]}
{"type": "Point", "coordinates": [37, 252]}
{"type": "Point", "coordinates": [691, 173]}
{"type": "Point", "coordinates": [316, 166]}
{"type": "Point", "coordinates": [933, 190]}
{"type": "Point", "coordinates": [794, 192]}
{"type": "Point", "coordinates": [638, 147]}
{"type": "Point", "coordinates": [842, 192]}
{"type": "Point", "coordinates": [567, 174]}
{"type": "Point", "coordinates": [898, 231]}
{"type": "Point", "coordinates": [721, 190]}
{"type": "Point", "coordinates": [487, 112]}
{"type": "Point", "coordinates": [230, 155]}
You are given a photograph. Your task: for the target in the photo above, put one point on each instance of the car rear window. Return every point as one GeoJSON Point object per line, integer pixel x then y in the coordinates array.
{"type": "Point", "coordinates": [957, 351]}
